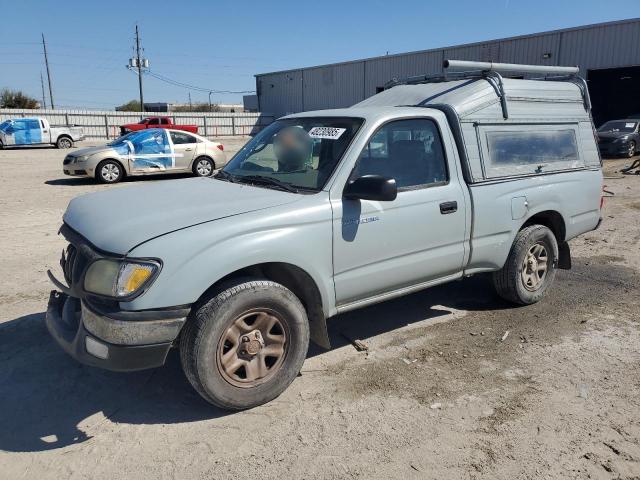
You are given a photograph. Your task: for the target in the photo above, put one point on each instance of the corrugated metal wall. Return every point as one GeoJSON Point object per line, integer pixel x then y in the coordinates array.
{"type": "Point", "coordinates": [610, 45]}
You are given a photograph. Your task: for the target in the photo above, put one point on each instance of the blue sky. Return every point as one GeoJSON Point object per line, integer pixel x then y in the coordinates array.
{"type": "Point", "coordinates": [220, 45]}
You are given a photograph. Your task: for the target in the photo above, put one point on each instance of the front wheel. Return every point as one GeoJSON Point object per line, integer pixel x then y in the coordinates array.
{"type": "Point", "coordinates": [530, 268]}
{"type": "Point", "coordinates": [109, 171]}
{"type": "Point", "coordinates": [245, 345]}
{"type": "Point", "coordinates": [203, 167]}
{"type": "Point", "coordinates": [631, 149]}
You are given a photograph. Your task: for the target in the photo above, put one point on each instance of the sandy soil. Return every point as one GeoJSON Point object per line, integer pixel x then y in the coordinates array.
{"type": "Point", "coordinates": [438, 395]}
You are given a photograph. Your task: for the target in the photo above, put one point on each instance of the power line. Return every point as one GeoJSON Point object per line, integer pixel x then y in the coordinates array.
{"type": "Point", "coordinates": [188, 86]}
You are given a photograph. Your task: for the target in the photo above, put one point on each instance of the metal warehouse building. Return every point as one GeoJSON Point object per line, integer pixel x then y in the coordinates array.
{"type": "Point", "coordinates": [608, 55]}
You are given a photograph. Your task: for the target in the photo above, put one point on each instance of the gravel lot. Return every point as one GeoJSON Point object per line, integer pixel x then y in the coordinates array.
{"type": "Point", "coordinates": [439, 394]}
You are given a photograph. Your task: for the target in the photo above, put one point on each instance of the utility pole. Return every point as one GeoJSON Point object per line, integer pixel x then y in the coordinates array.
{"type": "Point", "coordinates": [44, 99]}
{"type": "Point", "coordinates": [46, 62]}
{"type": "Point", "coordinates": [190, 106]}
{"type": "Point", "coordinates": [139, 68]}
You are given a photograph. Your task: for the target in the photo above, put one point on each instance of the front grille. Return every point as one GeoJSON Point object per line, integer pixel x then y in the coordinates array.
{"type": "Point", "coordinates": [605, 140]}
{"type": "Point", "coordinates": [73, 263]}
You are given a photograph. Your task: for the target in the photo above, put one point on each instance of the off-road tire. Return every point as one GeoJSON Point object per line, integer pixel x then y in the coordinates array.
{"type": "Point", "coordinates": [210, 320]}
{"type": "Point", "coordinates": [200, 172]}
{"type": "Point", "coordinates": [109, 178]}
{"type": "Point", "coordinates": [64, 142]}
{"type": "Point", "coordinates": [508, 281]}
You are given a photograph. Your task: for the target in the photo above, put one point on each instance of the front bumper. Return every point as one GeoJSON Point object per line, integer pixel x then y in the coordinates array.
{"type": "Point", "coordinates": [613, 149]}
{"type": "Point", "coordinates": [75, 172]}
{"type": "Point", "coordinates": [120, 341]}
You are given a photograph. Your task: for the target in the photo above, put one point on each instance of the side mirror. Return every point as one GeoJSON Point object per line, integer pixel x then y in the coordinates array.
{"type": "Point", "coordinates": [371, 187]}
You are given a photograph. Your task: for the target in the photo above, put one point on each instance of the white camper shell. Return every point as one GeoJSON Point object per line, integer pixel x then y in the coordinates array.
{"type": "Point", "coordinates": [495, 117]}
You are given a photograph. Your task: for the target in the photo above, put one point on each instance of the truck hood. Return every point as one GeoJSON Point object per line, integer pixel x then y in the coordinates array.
{"type": "Point", "coordinates": [119, 219]}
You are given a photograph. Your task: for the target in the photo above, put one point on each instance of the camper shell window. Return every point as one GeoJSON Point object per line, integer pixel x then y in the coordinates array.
{"type": "Point", "coordinates": [529, 149]}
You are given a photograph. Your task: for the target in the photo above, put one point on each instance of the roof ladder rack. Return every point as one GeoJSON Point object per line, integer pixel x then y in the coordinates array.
{"type": "Point", "coordinates": [492, 73]}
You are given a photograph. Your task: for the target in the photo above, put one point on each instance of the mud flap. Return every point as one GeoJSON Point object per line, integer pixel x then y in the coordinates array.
{"type": "Point", "coordinates": [318, 331]}
{"type": "Point", "coordinates": [564, 256]}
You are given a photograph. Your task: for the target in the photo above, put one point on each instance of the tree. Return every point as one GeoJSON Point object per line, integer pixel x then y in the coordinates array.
{"type": "Point", "coordinates": [130, 106]}
{"type": "Point", "coordinates": [197, 107]}
{"type": "Point", "coordinates": [16, 99]}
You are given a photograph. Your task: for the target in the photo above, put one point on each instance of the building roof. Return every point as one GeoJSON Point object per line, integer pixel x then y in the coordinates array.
{"type": "Point", "coordinates": [529, 35]}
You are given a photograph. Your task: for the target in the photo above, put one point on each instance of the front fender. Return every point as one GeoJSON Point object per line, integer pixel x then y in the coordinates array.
{"type": "Point", "coordinates": [195, 258]}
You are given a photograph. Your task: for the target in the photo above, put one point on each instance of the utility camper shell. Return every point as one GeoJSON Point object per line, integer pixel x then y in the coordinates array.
{"type": "Point", "coordinates": [491, 116]}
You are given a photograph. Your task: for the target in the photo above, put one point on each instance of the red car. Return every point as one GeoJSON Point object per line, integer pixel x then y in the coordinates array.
{"type": "Point", "coordinates": [156, 122]}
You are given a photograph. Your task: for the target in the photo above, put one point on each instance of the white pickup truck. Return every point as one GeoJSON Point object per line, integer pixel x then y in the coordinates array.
{"type": "Point", "coordinates": [37, 131]}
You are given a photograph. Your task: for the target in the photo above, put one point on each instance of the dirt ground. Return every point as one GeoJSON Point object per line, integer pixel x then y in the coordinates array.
{"type": "Point", "coordinates": [443, 392]}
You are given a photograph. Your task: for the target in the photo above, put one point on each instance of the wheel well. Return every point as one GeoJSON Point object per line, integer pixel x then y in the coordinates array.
{"type": "Point", "coordinates": [295, 279]}
{"type": "Point", "coordinates": [64, 135]}
{"type": "Point", "coordinates": [554, 222]}
{"type": "Point", "coordinates": [550, 219]}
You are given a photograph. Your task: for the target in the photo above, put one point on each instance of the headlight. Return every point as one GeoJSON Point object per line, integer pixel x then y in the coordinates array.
{"type": "Point", "coordinates": [621, 140]}
{"type": "Point", "coordinates": [82, 158]}
{"type": "Point", "coordinates": [119, 279]}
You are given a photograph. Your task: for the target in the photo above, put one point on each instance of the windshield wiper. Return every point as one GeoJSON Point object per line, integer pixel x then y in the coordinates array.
{"type": "Point", "coordinates": [269, 181]}
{"type": "Point", "coordinates": [225, 176]}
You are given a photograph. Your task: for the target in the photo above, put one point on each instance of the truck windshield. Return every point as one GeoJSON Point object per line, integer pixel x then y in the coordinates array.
{"type": "Point", "coordinates": [295, 153]}
{"type": "Point", "coordinates": [4, 126]}
{"type": "Point", "coordinates": [618, 126]}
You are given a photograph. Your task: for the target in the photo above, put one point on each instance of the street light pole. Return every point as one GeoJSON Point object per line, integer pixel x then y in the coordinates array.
{"type": "Point", "coordinates": [210, 100]}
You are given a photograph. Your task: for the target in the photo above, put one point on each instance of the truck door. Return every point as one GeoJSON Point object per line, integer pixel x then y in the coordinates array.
{"type": "Point", "coordinates": [419, 237]}
{"type": "Point", "coordinates": [184, 146]}
{"type": "Point", "coordinates": [26, 131]}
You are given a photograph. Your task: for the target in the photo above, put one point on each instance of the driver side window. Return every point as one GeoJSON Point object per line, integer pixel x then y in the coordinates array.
{"type": "Point", "coordinates": [410, 151]}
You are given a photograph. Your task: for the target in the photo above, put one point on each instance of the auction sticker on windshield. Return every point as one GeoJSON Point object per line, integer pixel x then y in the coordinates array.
{"type": "Point", "coordinates": [330, 133]}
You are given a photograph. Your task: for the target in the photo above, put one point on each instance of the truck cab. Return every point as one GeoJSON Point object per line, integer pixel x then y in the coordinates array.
{"type": "Point", "coordinates": [37, 131]}
{"type": "Point", "coordinates": [324, 212]}
{"type": "Point", "coordinates": [156, 122]}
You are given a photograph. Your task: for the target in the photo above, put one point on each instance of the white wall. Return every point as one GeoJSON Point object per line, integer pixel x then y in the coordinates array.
{"type": "Point", "coordinates": [105, 124]}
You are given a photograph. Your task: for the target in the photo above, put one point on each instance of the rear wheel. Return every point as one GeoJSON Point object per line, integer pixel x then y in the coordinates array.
{"type": "Point", "coordinates": [64, 142]}
{"type": "Point", "coordinates": [203, 167]}
{"type": "Point", "coordinates": [530, 268]}
{"type": "Point", "coordinates": [109, 171]}
{"type": "Point", "coordinates": [246, 344]}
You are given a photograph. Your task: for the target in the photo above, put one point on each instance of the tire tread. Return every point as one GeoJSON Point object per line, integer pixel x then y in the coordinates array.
{"type": "Point", "coordinates": [194, 330]}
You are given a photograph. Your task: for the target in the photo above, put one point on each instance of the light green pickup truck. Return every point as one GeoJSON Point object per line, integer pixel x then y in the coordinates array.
{"type": "Point", "coordinates": [323, 212]}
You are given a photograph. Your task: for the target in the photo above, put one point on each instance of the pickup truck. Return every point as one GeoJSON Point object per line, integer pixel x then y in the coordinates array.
{"type": "Point", "coordinates": [156, 122]}
{"type": "Point", "coordinates": [37, 131]}
{"type": "Point", "coordinates": [323, 212]}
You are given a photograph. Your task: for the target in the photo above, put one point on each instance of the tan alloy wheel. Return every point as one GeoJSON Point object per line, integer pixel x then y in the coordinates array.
{"type": "Point", "coordinates": [253, 348]}
{"type": "Point", "coordinates": [534, 267]}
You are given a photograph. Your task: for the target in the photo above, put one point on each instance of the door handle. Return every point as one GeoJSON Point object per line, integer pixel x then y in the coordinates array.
{"type": "Point", "coordinates": [188, 149]}
{"type": "Point", "coordinates": [448, 207]}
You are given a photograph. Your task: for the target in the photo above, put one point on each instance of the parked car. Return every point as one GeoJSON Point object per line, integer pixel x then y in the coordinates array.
{"type": "Point", "coordinates": [156, 122]}
{"type": "Point", "coordinates": [37, 131]}
{"type": "Point", "coordinates": [619, 137]}
{"type": "Point", "coordinates": [307, 221]}
{"type": "Point", "coordinates": [148, 152]}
